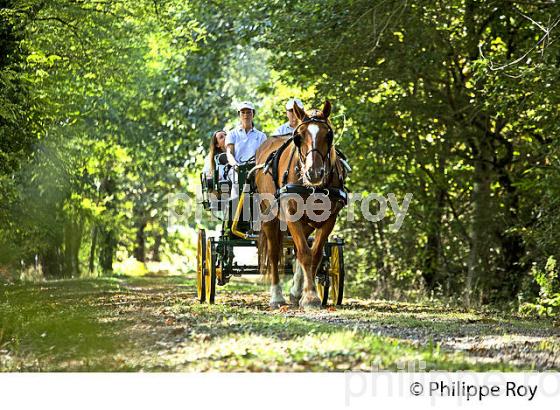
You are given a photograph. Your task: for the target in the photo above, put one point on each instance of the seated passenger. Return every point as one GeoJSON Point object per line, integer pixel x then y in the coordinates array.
{"type": "Point", "coordinates": [288, 127]}
{"type": "Point", "coordinates": [215, 162]}
{"type": "Point", "coordinates": [217, 147]}
{"type": "Point", "coordinates": [242, 141]}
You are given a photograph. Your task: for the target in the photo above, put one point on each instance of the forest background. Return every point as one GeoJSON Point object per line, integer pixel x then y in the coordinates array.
{"type": "Point", "coordinates": [107, 107]}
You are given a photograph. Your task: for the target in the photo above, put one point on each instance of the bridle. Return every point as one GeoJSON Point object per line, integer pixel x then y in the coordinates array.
{"type": "Point", "coordinates": [326, 168]}
{"type": "Point", "coordinates": [271, 166]}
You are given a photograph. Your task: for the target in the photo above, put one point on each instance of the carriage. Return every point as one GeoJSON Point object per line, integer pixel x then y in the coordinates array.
{"type": "Point", "coordinates": [216, 262]}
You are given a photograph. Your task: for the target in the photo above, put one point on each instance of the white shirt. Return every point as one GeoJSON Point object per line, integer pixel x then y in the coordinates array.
{"type": "Point", "coordinates": [246, 143]}
{"type": "Point", "coordinates": [284, 129]}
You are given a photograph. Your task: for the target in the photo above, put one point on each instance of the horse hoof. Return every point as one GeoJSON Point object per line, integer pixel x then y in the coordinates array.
{"type": "Point", "coordinates": [294, 300]}
{"type": "Point", "coordinates": [311, 304]}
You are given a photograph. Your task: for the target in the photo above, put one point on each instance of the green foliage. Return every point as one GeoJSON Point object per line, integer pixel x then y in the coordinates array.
{"type": "Point", "coordinates": [113, 100]}
{"type": "Point", "coordinates": [106, 109]}
{"type": "Point", "coordinates": [451, 101]}
{"type": "Point", "coordinates": [548, 301]}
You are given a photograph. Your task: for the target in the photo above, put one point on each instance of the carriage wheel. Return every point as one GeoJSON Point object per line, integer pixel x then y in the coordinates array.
{"type": "Point", "coordinates": [336, 273]}
{"type": "Point", "coordinates": [210, 274]}
{"type": "Point", "coordinates": [323, 292]}
{"type": "Point", "coordinates": [323, 285]}
{"type": "Point", "coordinates": [200, 266]}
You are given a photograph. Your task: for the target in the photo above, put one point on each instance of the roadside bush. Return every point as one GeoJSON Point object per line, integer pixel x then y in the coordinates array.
{"type": "Point", "coordinates": [548, 301]}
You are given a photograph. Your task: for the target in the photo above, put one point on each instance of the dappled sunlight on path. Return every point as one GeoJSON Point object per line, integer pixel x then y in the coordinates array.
{"type": "Point", "coordinates": [156, 324]}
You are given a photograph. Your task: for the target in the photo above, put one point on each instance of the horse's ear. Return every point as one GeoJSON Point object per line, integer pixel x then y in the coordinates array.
{"type": "Point", "coordinates": [327, 109]}
{"type": "Point", "coordinates": [299, 113]}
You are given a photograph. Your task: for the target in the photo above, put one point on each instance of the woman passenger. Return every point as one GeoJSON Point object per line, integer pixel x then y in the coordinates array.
{"type": "Point", "coordinates": [217, 147]}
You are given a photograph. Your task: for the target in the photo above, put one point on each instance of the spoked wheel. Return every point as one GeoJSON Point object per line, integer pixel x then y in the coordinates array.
{"type": "Point", "coordinates": [210, 271]}
{"type": "Point", "coordinates": [336, 273]}
{"type": "Point", "coordinates": [201, 266]}
{"type": "Point", "coordinates": [323, 283]}
{"type": "Point", "coordinates": [333, 284]}
{"type": "Point", "coordinates": [323, 291]}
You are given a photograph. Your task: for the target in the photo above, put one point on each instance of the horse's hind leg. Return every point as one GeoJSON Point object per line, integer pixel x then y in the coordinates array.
{"type": "Point", "coordinates": [274, 247]}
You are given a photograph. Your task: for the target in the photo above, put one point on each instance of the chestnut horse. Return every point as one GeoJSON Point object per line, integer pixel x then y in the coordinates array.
{"type": "Point", "coordinates": [301, 164]}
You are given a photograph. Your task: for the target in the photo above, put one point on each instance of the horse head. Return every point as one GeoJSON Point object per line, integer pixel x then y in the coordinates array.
{"type": "Point", "coordinates": [313, 137]}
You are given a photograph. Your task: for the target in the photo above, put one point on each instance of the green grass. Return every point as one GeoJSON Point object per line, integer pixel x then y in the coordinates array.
{"type": "Point", "coordinates": [156, 324]}
{"type": "Point", "coordinates": [57, 322]}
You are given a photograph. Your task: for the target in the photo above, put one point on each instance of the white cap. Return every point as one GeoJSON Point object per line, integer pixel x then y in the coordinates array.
{"type": "Point", "coordinates": [291, 101]}
{"type": "Point", "coordinates": [245, 104]}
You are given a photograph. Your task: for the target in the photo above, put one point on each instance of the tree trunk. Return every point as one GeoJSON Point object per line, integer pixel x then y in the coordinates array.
{"type": "Point", "coordinates": [140, 243]}
{"type": "Point", "coordinates": [156, 257]}
{"type": "Point", "coordinates": [108, 245]}
{"type": "Point", "coordinates": [108, 241]}
{"type": "Point", "coordinates": [92, 249]}
{"type": "Point", "coordinates": [477, 263]}
{"type": "Point", "coordinates": [381, 267]}
{"type": "Point", "coordinates": [140, 223]}
{"type": "Point", "coordinates": [511, 243]}
{"type": "Point", "coordinates": [51, 263]}
{"type": "Point", "coordinates": [431, 270]}
{"type": "Point", "coordinates": [431, 266]}
{"type": "Point", "coordinates": [72, 242]}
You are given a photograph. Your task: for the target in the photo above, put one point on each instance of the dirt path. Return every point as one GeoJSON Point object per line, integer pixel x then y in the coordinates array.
{"type": "Point", "coordinates": [156, 324]}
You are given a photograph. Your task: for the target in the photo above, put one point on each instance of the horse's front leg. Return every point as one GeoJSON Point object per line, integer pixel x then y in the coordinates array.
{"type": "Point", "coordinates": [297, 282]}
{"type": "Point", "coordinates": [310, 298]}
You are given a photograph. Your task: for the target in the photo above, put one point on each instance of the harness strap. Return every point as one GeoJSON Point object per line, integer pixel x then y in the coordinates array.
{"type": "Point", "coordinates": [340, 154]}
{"type": "Point", "coordinates": [285, 177]}
{"type": "Point", "coordinates": [271, 163]}
{"type": "Point", "coordinates": [331, 192]}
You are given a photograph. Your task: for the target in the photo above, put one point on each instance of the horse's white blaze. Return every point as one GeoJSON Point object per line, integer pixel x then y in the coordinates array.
{"type": "Point", "coordinates": [313, 130]}
{"type": "Point", "coordinates": [276, 294]}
